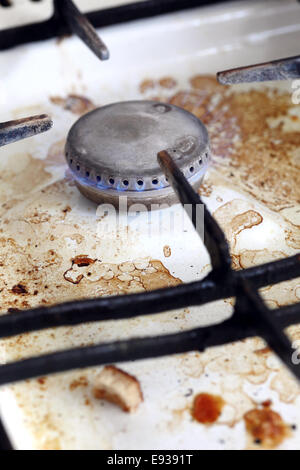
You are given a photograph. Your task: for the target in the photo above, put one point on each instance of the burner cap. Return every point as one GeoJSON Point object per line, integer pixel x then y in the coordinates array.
{"type": "Point", "coordinates": [112, 151]}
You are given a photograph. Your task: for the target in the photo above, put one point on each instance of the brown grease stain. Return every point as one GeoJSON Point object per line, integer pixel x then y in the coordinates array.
{"type": "Point", "coordinates": [205, 189]}
{"type": "Point", "coordinates": [42, 380]}
{"type": "Point", "coordinates": [146, 85]}
{"type": "Point", "coordinates": [19, 289]}
{"type": "Point", "coordinates": [267, 403]}
{"type": "Point", "coordinates": [167, 82]}
{"type": "Point", "coordinates": [126, 277]}
{"type": "Point", "coordinates": [76, 104]}
{"type": "Point", "coordinates": [261, 159]}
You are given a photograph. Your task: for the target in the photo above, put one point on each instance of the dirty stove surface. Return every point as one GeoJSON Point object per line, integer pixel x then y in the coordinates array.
{"type": "Point", "coordinates": [47, 228]}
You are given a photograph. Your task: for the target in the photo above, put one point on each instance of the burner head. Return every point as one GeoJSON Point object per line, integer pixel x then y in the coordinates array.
{"type": "Point", "coordinates": [112, 151]}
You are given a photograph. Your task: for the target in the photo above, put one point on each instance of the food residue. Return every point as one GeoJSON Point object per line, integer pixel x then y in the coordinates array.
{"type": "Point", "coordinates": [167, 82]}
{"type": "Point", "coordinates": [75, 103]}
{"type": "Point", "coordinates": [266, 427]}
{"type": "Point", "coordinates": [138, 275]}
{"type": "Point", "coordinates": [36, 214]}
{"type": "Point", "coordinates": [19, 289]}
{"type": "Point", "coordinates": [146, 85]}
{"type": "Point", "coordinates": [80, 382]}
{"type": "Point", "coordinates": [207, 408]}
{"type": "Point", "coordinates": [118, 387]}
{"type": "Point", "coordinates": [82, 261]}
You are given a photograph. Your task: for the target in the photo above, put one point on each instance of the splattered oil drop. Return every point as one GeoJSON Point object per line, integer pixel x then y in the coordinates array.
{"type": "Point", "coordinates": [82, 261]}
{"type": "Point", "coordinates": [207, 408]}
{"type": "Point", "coordinates": [266, 427]}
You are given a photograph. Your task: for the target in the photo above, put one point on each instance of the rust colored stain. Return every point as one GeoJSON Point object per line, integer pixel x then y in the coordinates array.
{"type": "Point", "coordinates": [167, 83]}
{"type": "Point", "coordinates": [167, 251]}
{"type": "Point", "coordinates": [266, 427]}
{"type": "Point", "coordinates": [81, 382]}
{"type": "Point", "coordinates": [67, 209]}
{"type": "Point", "coordinates": [263, 351]}
{"type": "Point", "coordinates": [206, 84]}
{"type": "Point", "coordinates": [56, 153]}
{"type": "Point", "coordinates": [235, 217]}
{"type": "Point", "coordinates": [248, 154]}
{"type": "Point", "coordinates": [75, 103]}
{"type": "Point", "coordinates": [146, 85]}
{"type": "Point", "coordinates": [207, 408]}
{"type": "Point", "coordinates": [83, 260]}
{"type": "Point", "coordinates": [248, 150]}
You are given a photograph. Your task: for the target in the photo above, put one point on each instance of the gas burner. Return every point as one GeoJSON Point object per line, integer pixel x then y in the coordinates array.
{"type": "Point", "coordinates": [12, 131]}
{"type": "Point", "coordinates": [112, 151]}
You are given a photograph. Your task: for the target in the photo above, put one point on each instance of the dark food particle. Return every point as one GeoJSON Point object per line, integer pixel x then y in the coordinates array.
{"type": "Point", "coordinates": [19, 289]}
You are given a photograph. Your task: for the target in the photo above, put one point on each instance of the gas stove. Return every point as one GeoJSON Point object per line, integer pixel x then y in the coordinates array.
{"type": "Point", "coordinates": [147, 128]}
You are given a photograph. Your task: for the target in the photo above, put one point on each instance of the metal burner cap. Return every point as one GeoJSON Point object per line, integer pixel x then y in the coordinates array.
{"type": "Point", "coordinates": [112, 151]}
